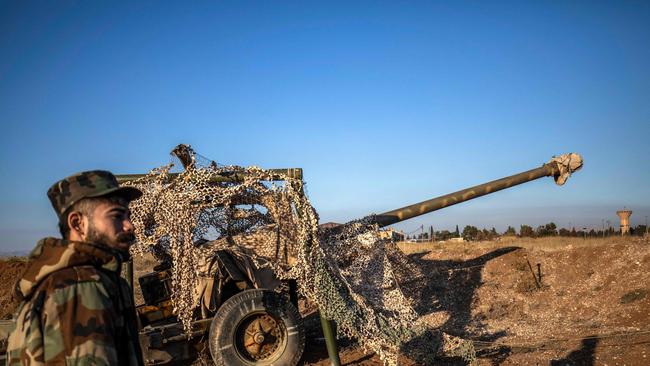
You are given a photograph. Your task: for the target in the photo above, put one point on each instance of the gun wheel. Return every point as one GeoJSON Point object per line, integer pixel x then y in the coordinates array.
{"type": "Point", "coordinates": [257, 327]}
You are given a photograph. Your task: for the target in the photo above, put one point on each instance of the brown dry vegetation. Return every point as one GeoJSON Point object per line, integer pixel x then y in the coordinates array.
{"type": "Point", "coordinates": [142, 264]}
{"type": "Point", "coordinates": [10, 271]}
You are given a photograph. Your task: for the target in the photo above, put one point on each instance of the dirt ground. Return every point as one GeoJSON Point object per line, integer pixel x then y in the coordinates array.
{"type": "Point", "coordinates": [579, 302]}
{"type": "Point", "coordinates": [592, 305]}
{"type": "Point", "coordinates": [10, 271]}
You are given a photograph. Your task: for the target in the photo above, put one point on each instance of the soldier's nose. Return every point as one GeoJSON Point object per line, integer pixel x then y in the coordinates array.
{"type": "Point", "coordinates": [128, 226]}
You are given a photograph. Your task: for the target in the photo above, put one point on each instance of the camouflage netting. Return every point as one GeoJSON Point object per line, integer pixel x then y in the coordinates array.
{"type": "Point", "coordinates": [566, 165]}
{"type": "Point", "coordinates": [351, 273]}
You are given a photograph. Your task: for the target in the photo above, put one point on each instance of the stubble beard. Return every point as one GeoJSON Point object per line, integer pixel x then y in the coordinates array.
{"type": "Point", "coordinates": [121, 242]}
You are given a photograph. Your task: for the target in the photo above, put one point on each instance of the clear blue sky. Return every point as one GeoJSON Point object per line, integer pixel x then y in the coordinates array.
{"type": "Point", "coordinates": [382, 103]}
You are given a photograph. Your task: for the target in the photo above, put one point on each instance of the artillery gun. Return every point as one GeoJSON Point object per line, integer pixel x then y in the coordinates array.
{"type": "Point", "coordinates": [247, 321]}
{"type": "Point", "coordinates": [248, 315]}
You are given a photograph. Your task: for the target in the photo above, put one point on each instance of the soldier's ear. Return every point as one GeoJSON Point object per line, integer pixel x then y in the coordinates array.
{"type": "Point", "coordinates": [76, 224]}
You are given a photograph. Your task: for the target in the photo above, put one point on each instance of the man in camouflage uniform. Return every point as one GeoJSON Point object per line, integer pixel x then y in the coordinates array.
{"type": "Point", "coordinates": [75, 308]}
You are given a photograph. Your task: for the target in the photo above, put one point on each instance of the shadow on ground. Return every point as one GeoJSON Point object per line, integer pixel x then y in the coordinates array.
{"type": "Point", "coordinates": [445, 286]}
{"type": "Point", "coordinates": [584, 356]}
{"type": "Point", "coordinates": [449, 286]}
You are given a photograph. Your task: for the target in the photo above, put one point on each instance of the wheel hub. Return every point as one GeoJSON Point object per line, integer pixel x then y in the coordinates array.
{"type": "Point", "coordinates": [260, 335]}
{"type": "Point", "coordinates": [259, 338]}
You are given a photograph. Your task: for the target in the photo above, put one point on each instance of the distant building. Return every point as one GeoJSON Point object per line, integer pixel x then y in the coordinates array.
{"type": "Point", "coordinates": [391, 234]}
{"type": "Point", "coordinates": [456, 240]}
{"type": "Point", "coordinates": [624, 214]}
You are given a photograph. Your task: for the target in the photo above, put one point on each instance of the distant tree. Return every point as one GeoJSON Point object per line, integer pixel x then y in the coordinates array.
{"type": "Point", "coordinates": [470, 233]}
{"type": "Point", "coordinates": [444, 235]}
{"type": "Point", "coordinates": [486, 234]}
{"type": "Point", "coordinates": [640, 230]}
{"type": "Point", "coordinates": [546, 230]}
{"type": "Point", "coordinates": [510, 231]}
{"type": "Point", "coordinates": [526, 231]}
{"type": "Point", "coordinates": [564, 232]}
{"type": "Point", "coordinates": [480, 235]}
{"type": "Point", "coordinates": [551, 228]}
{"type": "Point", "coordinates": [457, 232]}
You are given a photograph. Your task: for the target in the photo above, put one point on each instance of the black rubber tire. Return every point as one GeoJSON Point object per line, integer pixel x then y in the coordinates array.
{"type": "Point", "coordinates": [234, 311]}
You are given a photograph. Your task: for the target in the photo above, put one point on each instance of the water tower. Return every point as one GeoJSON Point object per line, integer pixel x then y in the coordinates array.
{"type": "Point", "coordinates": [625, 220]}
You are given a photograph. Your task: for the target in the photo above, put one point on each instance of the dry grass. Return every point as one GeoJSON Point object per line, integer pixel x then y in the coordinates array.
{"type": "Point", "coordinates": [546, 243]}
{"type": "Point", "coordinates": [485, 290]}
{"type": "Point", "coordinates": [141, 266]}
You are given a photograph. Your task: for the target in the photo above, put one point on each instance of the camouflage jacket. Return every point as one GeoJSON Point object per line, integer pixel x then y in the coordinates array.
{"type": "Point", "coordinates": [75, 308]}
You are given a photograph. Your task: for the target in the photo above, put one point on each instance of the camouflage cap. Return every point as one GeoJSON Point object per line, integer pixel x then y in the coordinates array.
{"type": "Point", "coordinates": [95, 183]}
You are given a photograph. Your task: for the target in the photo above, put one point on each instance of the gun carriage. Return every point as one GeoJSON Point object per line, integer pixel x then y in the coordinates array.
{"type": "Point", "coordinates": [268, 327]}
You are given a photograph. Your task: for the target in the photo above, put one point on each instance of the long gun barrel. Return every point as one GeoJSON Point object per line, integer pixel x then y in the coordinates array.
{"type": "Point", "coordinates": [559, 168]}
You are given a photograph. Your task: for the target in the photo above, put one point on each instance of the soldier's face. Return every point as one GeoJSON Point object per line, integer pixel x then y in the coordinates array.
{"type": "Point", "coordinates": [110, 224]}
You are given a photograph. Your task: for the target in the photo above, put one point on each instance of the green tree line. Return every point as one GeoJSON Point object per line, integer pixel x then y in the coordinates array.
{"type": "Point", "coordinates": [472, 233]}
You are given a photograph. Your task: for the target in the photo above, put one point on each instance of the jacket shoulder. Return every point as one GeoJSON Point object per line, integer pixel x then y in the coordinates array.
{"type": "Point", "coordinates": [80, 283]}
{"type": "Point", "coordinates": [75, 275]}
